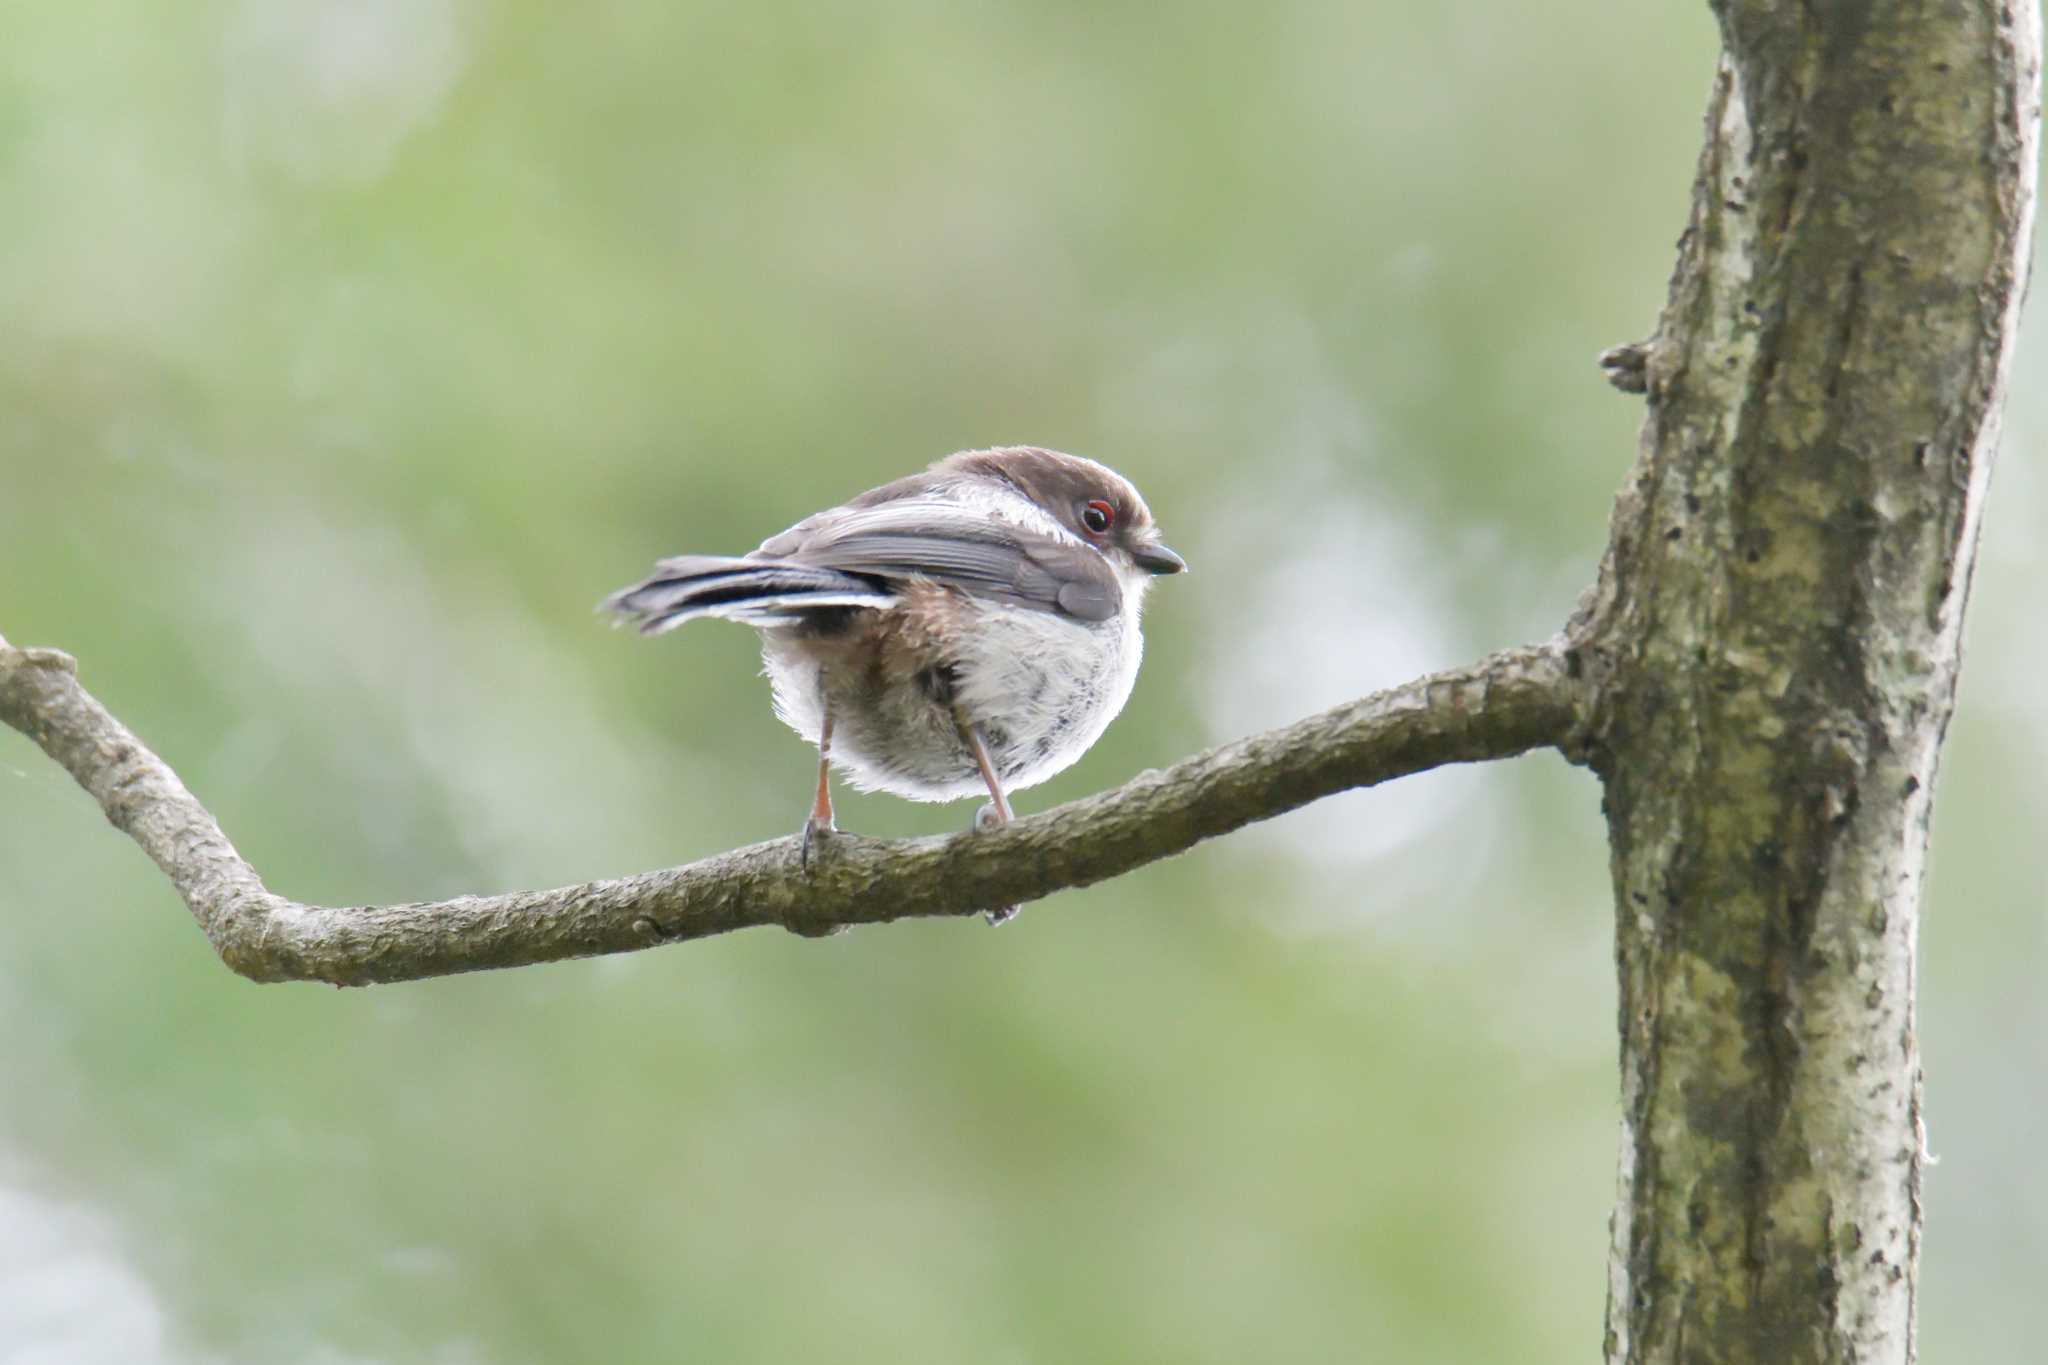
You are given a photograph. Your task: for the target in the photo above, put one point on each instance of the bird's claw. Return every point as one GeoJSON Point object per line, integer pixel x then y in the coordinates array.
{"type": "Point", "coordinates": [814, 829]}
{"type": "Point", "coordinates": [989, 817]}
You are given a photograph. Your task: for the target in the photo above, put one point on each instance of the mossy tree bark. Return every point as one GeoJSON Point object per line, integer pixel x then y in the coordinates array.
{"type": "Point", "coordinates": [1773, 649]}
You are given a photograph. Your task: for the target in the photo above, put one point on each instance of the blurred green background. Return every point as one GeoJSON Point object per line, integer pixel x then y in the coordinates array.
{"type": "Point", "coordinates": [351, 349]}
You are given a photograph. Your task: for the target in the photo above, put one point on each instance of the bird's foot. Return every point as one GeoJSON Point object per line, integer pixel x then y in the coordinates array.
{"type": "Point", "coordinates": [990, 817]}
{"type": "Point", "coordinates": [815, 830]}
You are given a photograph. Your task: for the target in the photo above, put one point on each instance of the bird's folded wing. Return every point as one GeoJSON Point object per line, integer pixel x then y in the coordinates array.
{"type": "Point", "coordinates": [959, 546]}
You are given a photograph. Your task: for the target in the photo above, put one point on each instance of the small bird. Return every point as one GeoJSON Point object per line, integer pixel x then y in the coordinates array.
{"type": "Point", "coordinates": [970, 628]}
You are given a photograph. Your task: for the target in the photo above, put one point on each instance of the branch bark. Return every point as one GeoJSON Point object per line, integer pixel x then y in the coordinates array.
{"type": "Point", "coordinates": [1503, 705]}
{"type": "Point", "coordinates": [1774, 645]}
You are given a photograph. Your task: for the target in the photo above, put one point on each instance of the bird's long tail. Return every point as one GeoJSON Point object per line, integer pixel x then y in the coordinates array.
{"type": "Point", "coordinates": [753, 591]}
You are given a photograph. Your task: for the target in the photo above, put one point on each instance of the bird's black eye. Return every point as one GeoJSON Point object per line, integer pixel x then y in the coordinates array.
{"type": "Point", "coordinates": [1098, 516]}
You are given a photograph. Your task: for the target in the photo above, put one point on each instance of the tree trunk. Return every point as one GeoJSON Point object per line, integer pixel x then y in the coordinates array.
{"type": "Point", "coordinates": [1774, 645]}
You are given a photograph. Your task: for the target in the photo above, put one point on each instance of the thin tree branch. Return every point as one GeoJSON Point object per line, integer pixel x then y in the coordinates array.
{"type": "Point", "coordinates": [1503, 705]}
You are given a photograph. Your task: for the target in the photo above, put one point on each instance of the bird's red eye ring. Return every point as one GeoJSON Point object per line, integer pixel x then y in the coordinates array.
{"type": "Point", "coordinates": [1098, 516]}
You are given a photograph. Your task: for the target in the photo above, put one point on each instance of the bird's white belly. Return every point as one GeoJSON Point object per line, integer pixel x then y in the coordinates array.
{"type": "Point", "coordinates": [1040, 687]}
{"type": "Point", "coordinates": [1044, 688]}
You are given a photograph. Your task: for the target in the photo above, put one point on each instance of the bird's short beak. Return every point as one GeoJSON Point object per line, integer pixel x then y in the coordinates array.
{"type": "Point", "coordinates": [1156, 559]}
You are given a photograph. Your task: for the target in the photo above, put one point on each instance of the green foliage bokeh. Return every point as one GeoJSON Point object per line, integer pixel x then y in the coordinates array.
{"type": "Point", "coordinates": [350, 351]}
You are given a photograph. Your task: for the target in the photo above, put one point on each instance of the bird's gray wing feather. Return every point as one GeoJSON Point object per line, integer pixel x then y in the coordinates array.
{"type": "Point", "coordinates": [959, 546]}
{"type": "Point", "coordinates": [754, 592]}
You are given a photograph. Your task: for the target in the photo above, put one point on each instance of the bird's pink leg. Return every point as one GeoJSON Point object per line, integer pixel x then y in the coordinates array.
{"type": "Point", "coordinates": [988, 775]}
{"type": "Point", "coordinates": [997, 812]}
{"type": "Point", "coordinates": [820, 821]}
